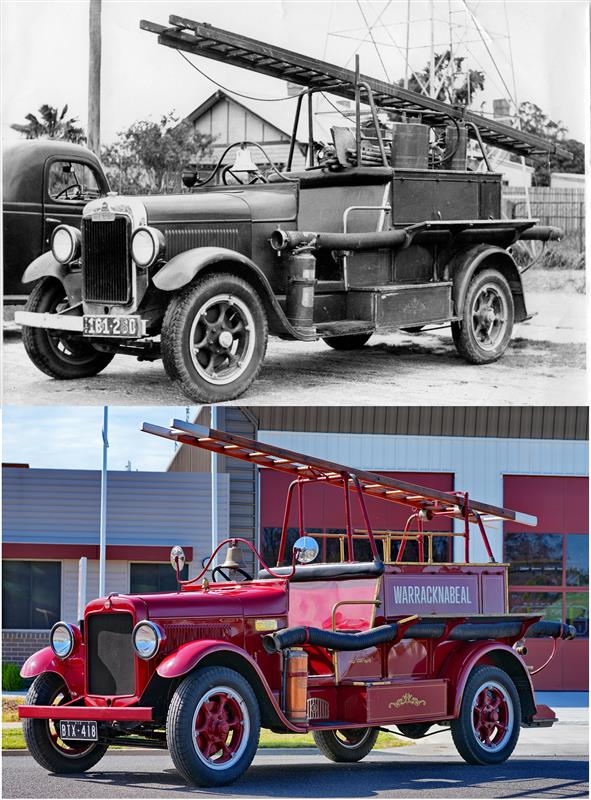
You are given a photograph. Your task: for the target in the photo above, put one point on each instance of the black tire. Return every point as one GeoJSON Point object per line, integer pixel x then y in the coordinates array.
{"type": "Point", "coordinates": [66, 355]}
{"type": "Point", "coordinates": [41, 738]}
{"type": "Point", "coordinates": [476, 724]}
{"type": "Point", "coordinates": [244, 324]}
{"type": "Point", "coordinates": [346, 745]}
{"type": "Point", "coordinates": [473, 342]}
{"type": "Point", "coordinates": [353, 342]}
{"type": "Point", "coordinates": [192, 754]}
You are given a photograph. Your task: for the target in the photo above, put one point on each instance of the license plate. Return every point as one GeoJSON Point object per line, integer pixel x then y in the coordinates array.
{"type": "Point", "coordinates": [78, 729]}
{"type": "Point", "coordinates": [111, 326]}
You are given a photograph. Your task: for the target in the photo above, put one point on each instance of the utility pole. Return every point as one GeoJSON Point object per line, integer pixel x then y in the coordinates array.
{"type": "Point", "coordinates": [103, 519]}
{"type": "Point", "coordinates": [94, 77]}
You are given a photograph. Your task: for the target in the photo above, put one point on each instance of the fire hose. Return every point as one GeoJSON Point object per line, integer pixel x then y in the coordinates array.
{"type": "Point", "coordinates": [464, 632]}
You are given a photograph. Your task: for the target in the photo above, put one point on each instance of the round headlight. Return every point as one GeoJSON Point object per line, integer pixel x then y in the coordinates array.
{"type": "Point", "coordinates": [62, 639]}
{"type": "Point", "coordinates": [146, 246]}
{"type": "Point", "coordinates": [65, 243]}
{"type": "Point", "coordinates": [147, 638]}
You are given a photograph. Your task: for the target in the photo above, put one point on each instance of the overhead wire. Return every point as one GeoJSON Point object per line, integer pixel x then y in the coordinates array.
{"type": "Point", "coordinates": [370, 31]}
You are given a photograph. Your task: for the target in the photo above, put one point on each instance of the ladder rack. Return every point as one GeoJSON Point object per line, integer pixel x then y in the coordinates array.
{"type": "Point", "coordinates": [205, 40]}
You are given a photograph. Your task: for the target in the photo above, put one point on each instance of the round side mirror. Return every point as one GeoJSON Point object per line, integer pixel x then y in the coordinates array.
{"type": "Point", "coordinates": [305, 549]}
{"type": "Point", "coordinates": [177, 558]}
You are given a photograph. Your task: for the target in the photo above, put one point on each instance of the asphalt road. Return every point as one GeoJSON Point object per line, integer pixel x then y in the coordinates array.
{"type": "Point", "coordinates": [546, 354]}
{"type": "Point", "coordinates": [305, 774]}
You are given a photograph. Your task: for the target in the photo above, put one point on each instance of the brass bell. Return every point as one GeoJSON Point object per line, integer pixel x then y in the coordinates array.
{"type": "Point", "coordinates": [244, 162]}
{"type": "Point", "coordinates": [233, 557]}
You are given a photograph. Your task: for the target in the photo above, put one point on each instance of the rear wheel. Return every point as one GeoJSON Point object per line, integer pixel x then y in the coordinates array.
{"type": "Point", "coordinates": [346, 745]}
{"type": "Point", "coordinates": [214, 338]}
{"type": "Point", "coordinates": [488, 312]}
{"type": "Point", "coordinates": [41, 735]}
{"type": "Point", "coordinates": [487, 729]}
{"type": "Point", "coordinates": [213, 726]}
{"type": "Point", "coordinates": [352, 342]}
{"type": "Point", "coordinates": [59, 354]}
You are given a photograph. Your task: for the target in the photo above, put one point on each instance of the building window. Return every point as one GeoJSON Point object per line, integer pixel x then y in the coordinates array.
{"type": "Point", "coordinates": [31, 594]}
{"type": "Point", "coordinates": [549, 575]}
{"type": "Point", "coordinates": [152, 578]}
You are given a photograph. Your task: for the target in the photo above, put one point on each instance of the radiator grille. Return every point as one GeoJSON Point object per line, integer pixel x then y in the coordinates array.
{"type": "Point", "coordinates": [110, 657]}
{"type": "Point", "coordinates": [106, 272]}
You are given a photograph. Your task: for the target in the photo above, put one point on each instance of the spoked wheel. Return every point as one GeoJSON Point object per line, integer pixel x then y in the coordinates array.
{"type": "Point", "coordinates": [42, 736]}
{"type": "Point", "coordinates": [213, 726]}
{"type": "Point", "coordinates": [348, 744]}
{"type": "Point", "coordinates": [487, 729]}
{"type": "Point", "coordinates": [59, 354]}
{"type": "Point", "coordinates": [214, 338]}
{"type": "Point", "coordinates": [487, 319]}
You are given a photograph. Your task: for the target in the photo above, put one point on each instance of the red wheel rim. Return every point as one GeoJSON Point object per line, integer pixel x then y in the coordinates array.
{"type": "Point", "coordinates": [221, 726]}
{"type": "Point", "coordinates": [352, 737]}
{"type": "Point", "coordinates": [69, 750]}
{"type": "Point", "coordinates": [492, 716]}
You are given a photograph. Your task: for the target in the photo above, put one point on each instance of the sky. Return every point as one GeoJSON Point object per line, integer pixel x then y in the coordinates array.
{"type": "Point", "coordinates": [45, 51]}
{"type": "Point", "coordinates": [69, 437]}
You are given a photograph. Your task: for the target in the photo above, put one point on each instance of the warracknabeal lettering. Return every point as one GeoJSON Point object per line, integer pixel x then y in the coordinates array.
{"type": "Point", "coordinates": [388, 227]}
{"type": "Point", "coordinates": [299, 647]}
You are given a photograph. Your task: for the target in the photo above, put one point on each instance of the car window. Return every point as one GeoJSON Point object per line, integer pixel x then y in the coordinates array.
{"type": "Point", "coordinates": [70, 181]}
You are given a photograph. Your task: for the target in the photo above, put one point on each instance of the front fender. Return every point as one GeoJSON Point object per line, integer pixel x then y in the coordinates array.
{"type": "Point", "coordinates": [461, 662]}
{"type": "Point", "coordinates": [463, 265]}
{"type": "Point", "coordinates": [186, 657]}
{"type": "Point", "coordinates": [45, 266]}
{"type": "Point", "coordinates": [182, 268]}
{"type": "Point", "coordinates": [71, 669]}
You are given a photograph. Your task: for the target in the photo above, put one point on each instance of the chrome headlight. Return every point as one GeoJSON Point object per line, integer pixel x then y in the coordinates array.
{"type": "Point", "coordinates": [147, 638]}
{"type": "Point", "coordinates": [66, 243]}
{"type": "Point", "coordinates": [62, 639]}
{"type": "Point", "coordinates": [147, 244]}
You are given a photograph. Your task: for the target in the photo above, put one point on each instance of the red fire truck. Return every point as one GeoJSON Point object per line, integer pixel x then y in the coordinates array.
{"type": "Point", "coordinates": [341, 649]}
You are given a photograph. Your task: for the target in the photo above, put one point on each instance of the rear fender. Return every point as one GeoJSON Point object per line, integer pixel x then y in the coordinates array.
{"type": "Point", "coordinates": [71, 669]}
{"type": "Point", "coordinates": [210, 653]}
{"type": "Point", "coordinates": [184, 267]}
{"type": "Point", "coordinates": [46, 266]}
{"type": "Point", "coordinates": [458, 666]}
{"type": "Point", "coordinates": [464, 265]}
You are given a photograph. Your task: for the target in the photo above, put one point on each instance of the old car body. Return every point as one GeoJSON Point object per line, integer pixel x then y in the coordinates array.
{"type": "Point", "coordinates": [338, 649]}
{"type": "Point", "coordinates": [36, 200]}
{"type": "Point", "coordinates": [369, 238]}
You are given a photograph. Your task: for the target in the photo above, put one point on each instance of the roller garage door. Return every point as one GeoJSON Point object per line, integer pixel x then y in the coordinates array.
{"type": "Point", "coordinates": [549, 570]}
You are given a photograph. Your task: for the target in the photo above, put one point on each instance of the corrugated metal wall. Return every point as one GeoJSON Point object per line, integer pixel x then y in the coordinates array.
{"type": "Point", "coordinates": [143, 508]}
{"type": "Point", "coordinates": [529, 422]}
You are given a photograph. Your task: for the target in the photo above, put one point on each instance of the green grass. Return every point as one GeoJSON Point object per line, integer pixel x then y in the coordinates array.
{"type": "Point", "coordinates": [12, 739]}
{"type": "Point", "coordinates": [9, 708]}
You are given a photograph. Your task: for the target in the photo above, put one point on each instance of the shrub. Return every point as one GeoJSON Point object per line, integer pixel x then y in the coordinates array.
{"type": "Point", "coordinates": [561, 256]}
{"type": "Point", "coordinates": [11, 678]}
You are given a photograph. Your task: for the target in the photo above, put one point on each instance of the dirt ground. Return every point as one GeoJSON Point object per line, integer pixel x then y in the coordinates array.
{"type": "Point", "coordinates": [546, 355]}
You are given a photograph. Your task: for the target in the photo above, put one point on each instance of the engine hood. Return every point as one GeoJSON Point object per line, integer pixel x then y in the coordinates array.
{"type": "Point", "coordinates": [197, 207]}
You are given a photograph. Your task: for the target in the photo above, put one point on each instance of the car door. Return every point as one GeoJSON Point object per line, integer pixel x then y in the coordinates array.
{"type": "Point", "coordinates": [68, 185]}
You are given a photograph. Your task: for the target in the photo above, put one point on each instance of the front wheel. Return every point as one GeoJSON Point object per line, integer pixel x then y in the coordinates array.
{"type": "Point", "coordinates": [483, 334]}
{"type": "Point", "coordinates": [346, 745]}
{"type": "Point", "coordinates": [42, 737]}
{"type": "Point", "coordinates": [487, 729]}
{"type": "Point", "coordinates": [213, 726]}
{"type": "Point", "coordinates": [214, 338]}
{"type": "Point", "coordinates": [59, 354]}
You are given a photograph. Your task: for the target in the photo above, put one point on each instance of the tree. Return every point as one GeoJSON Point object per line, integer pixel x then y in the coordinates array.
{"type": "Point", "coordinates": [454, 84]}
{"type": "Point", "coordinates": [52, 124]}
{"type": "Point", "coordinates": [534, 120]}
{"type": "Point", "coordinates": [147, 157]}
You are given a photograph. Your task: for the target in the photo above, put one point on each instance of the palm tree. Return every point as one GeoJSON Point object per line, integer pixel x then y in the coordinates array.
{"type": "Point", "coordinates": [51, 124]}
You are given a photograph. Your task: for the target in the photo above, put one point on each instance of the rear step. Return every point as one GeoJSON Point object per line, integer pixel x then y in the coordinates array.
{"type": "Point", "coordinates": [344, 327]}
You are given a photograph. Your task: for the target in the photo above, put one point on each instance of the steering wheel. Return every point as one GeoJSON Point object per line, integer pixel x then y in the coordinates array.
{"type": "Point", "coordinates": [65, 191]}
{"type": "Point", "coordinates": [220, 570]}
{"type": "Point", "coordinates": [228, 171]}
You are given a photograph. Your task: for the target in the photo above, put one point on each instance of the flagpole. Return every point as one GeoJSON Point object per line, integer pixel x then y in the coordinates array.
{"type": "Point", "coordinates": [103, 521]}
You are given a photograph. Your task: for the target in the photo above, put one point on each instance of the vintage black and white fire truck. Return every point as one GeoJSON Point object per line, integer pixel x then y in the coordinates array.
{"type": "Point", "coordinates": [385, 229]}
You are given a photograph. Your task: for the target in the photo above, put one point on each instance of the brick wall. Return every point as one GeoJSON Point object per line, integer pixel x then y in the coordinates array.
{"type": "Point", "coordinates": [17, 646]}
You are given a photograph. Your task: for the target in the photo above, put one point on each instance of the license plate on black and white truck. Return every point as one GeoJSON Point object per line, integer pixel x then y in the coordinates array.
{"type": "Point", "coordinates": [85, 730]}
{"type": "Point", "coordinates": [124, 326]}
